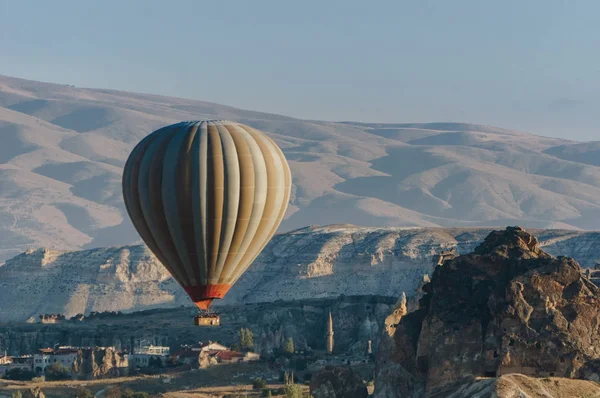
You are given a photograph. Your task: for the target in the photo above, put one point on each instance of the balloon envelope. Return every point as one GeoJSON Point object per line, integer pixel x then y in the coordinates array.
{"type": "Point", "coordinates": [206, 197]}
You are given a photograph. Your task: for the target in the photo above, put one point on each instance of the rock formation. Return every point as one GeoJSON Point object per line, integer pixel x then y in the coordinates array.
{"type": "Point", "coordinates": [337, 382]}
{"type": "Point", "coordinates": [98, 363]}
{"type": "Point", "coordinates": [322, 262]}
{"type": "Point", "coordinates": [508, 307]}
{"type": "Point", "coordinates": [35, 392]}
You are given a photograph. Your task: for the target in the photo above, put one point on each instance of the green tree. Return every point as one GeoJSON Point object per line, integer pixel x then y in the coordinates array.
{"type": "Point", "coordinates": [288, 346]}
{"type": "Point", "coordinates": [56, 371]}
{"type": "Point", "coordinates": [16, 394]}
{"type": "Point", "coordinates": [293, 391]}
{"type": "Point", "coordinates": [246, 339]}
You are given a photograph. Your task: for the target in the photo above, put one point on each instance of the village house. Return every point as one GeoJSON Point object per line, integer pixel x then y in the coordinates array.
{"type": "Point", "coordinates": [45, 357]}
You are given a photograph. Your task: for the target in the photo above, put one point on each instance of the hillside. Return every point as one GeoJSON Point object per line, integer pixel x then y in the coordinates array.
{"type": "Point", "coordinates": [317, 262]}
{"type": "Point", "coordinates": [63, 149]}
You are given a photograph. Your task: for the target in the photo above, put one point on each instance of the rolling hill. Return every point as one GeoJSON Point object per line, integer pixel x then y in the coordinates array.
{"type": "Point", "coordinates": [62, 150]}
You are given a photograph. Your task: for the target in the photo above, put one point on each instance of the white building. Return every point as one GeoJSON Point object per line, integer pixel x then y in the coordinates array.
{"type": "Point", "coordinates": [143, 355]}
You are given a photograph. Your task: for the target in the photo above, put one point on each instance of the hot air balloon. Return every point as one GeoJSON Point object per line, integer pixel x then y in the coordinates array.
{"type": "Point", "coordinates": [206, 197]}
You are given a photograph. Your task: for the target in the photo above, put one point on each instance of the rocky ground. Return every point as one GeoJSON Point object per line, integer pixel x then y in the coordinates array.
{"type": "Point", "coordinates": [213, 382]}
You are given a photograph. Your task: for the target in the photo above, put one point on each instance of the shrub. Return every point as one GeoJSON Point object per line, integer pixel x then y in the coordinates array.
{"type": "Point", "coordinates": [259, 384]}
{"type": "Point", "coordinates": [129, 393]}
{"type": "Point", "coordinates": [16, 394]}
{"type": "Point", "coordinates": [39, 379]}
{"type": "Point", "coordinates": [83, 392]}
{"type": "Point", "coordinates": [56, 371]}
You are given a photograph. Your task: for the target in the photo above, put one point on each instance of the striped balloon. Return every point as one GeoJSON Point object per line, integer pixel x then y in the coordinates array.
{"type": "Point", "coordinates": [206, 197]}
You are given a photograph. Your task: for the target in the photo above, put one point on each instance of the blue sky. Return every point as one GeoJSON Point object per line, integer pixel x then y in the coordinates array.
{"type": "Point", "coordinates": [531, 65]}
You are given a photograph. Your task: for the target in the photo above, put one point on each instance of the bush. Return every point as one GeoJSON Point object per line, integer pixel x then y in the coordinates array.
{"type": "Point", "coordinates": [259, 384]}
{"type": "Point", "coordinates": [19, 374]}
{"type": "Point", "coordinates": [56, 371]}
{"type": "Point", "coordinates": [83, 392]}
{"type": "Point", "coordinates": [39, 379]}
{"type": "Point", "coordinates": [16, 394]}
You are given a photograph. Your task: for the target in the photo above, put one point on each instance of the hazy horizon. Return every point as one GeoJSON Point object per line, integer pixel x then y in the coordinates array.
{"type": "Point", "coordinates": [528, 66]}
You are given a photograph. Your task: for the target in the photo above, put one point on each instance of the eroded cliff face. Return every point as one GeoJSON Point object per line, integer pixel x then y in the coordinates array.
{"type": "Point", "coordinates": [313, 262]}
{"type": "Point", "coordinates": [508, 307]}
{"type": "Point", "coordinates": [99, 363]}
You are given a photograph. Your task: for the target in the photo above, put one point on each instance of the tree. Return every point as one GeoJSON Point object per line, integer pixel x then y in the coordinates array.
{"type": "Point", "coordinates": [19, 374]}
{"type": "Point", "coordinates": [288, 346]}
{"type": "Point", "coordinates": [83, 392]}
{"type": "Point", "coordinates": [155, 362]}
{"type": "Point", "coordinates": [113, 392]}
{"type": "Point", "coordinates": [293, 391]}
{"type": "Point", "coordinates": [259, 384]}
{"type": "Point", "coordinates": [56, 371]}
{"type": "Point", "coordinates": [16, 394]}
{"type": "Point", "coordinates": [246, 339]}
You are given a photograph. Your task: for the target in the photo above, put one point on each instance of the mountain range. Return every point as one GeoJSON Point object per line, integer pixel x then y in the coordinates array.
{"type": "Point", "coordinates": [62, 151]}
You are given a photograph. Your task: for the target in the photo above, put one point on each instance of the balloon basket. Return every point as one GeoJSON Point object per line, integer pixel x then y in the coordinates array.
{"type": "Point", "coordinates": [207, 319]}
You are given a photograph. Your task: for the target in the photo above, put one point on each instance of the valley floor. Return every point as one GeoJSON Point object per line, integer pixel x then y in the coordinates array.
{"type": "Point", "coordinates": [212, 382]}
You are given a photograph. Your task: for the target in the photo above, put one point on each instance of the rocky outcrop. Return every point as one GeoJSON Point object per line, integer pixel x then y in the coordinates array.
{"type": "Point", "coordinates": [99, 363]}
{"type": "Point", "coordinates": [517, 385]}
{"type": "Point", "coordinates": [321, 262]}
{"type": "Point", "coordinates": [508, 307]}
{"type": "Point", "coordinates": [337, 382]}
